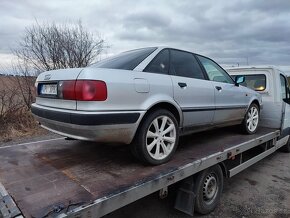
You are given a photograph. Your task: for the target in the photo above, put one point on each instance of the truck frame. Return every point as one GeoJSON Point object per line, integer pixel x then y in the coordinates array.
{"type": "Point", "coordinates": [64, 178]}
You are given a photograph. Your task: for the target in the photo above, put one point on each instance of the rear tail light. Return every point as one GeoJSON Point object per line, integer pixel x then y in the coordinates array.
{"type": "Point", "coordinates": [68, 90]}
{"type": "Point", "coordinates": [83, 90]}
{"type": "Point", "coordinates": [91, 90]}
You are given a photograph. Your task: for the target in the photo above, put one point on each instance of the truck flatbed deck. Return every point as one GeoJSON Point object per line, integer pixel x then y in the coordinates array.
{"type": "Point", "coordinates": [76, 179]}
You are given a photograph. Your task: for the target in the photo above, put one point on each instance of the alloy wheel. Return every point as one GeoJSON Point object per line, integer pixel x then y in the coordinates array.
{"type": "Point", "coordinates": [161, 137]}
{"type": "Point", "coordinates": [252, 119]}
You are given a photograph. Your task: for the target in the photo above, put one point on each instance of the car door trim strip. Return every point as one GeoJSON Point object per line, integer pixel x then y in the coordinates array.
{"type": "Point", "coordinates": [196, 109]}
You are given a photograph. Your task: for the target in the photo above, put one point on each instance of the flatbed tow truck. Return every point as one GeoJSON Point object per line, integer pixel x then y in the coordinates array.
{"type": "Point", "coordinates": [64, 178]}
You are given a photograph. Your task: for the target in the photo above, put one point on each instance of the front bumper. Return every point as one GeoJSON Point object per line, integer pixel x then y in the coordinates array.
{"type": "Point", "coordinates": [92, 126]}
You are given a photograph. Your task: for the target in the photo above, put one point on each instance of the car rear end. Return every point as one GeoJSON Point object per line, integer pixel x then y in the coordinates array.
{"type": "Point", "coordinates": [75, 103]}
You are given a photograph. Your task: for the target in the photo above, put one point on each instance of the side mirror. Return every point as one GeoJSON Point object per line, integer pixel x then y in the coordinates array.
{"type": "Point", "coordinates": [239, 79]}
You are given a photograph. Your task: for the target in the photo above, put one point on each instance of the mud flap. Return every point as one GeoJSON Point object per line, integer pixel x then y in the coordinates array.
{"type": "Point", "coordinates": [185, 198]}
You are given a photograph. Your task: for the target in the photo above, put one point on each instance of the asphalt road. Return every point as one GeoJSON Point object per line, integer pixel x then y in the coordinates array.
{"type": "Point", "coordinates": [262, 190]}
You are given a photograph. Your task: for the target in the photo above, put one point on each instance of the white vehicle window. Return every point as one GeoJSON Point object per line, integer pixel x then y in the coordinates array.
{"type": "Point", "coordinates": [160, 64]}
{"type": "Point", "coordinates": [256, 82]}
{"type": "Point", "coordinates": [214, 71]}
{"type": "Point", "coordinates": [284, 91]}
{"type": "Point", "coordinates": [185, 64]}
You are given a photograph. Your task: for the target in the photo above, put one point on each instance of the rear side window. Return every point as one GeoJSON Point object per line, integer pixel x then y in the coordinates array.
{"type": "Point", "coordinates": [256, 82]}
{"type": "Point", "coordinates": [160, 64]}
{"type": "Point", "coordinates": [184, 64]}
{"type": "Point", "coordinates": [126, 60]}
{"type": "Point", "coordinates": [214, 71]}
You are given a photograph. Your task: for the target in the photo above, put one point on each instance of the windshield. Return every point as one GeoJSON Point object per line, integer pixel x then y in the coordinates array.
{"type": "Point", "coordinates": [256, 82]}
{"type": "Point", "coordinates": [126, 60]}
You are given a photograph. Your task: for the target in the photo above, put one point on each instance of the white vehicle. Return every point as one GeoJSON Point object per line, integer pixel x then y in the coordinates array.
{"type": "Point", "coordinates": [66, 178]}
{"type": "Point", "coordinates": [272, 84]}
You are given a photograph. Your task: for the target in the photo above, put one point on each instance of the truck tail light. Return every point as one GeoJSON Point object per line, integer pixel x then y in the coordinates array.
{"type": "Point", "coordinates": [84, 90]}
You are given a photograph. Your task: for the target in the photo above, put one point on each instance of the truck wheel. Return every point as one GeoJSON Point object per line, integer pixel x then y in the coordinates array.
{"type": "Point", "coordinates": [157, 138]}
{"type": "Point", "coordinates": [251, 120]}
{"type": "Point", "coordinates": [208, 189]}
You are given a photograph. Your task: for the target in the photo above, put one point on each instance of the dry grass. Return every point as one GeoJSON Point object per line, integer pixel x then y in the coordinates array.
{"type": "Point", "coordinates": [16, 119]}
{"type": "Point", "coordinates": [21, 125]}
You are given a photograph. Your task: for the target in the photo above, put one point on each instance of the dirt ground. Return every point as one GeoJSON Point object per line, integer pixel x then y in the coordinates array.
{"type": "Point", "coordinates": [262, 190]}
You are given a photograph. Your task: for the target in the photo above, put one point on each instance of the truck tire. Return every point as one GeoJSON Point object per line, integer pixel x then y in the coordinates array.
{"type": "Point", "coordinates": [251, 121]}
{"type": "Point", "coordinates": [208, 189]}
{"type": "Point", "coordinates": [157, 138]}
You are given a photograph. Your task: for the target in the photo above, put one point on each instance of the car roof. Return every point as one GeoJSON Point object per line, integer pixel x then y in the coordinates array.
{"type": "Point", "coordinates": [181, 49]}
{"type": "Point", "coordinates": [165, 47]}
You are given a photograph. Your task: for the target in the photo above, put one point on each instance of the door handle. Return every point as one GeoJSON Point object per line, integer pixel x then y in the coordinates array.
{"type": "Point", "coordinates": [182, 85]}
{"type": "Point", "coordinates": [218, 88]}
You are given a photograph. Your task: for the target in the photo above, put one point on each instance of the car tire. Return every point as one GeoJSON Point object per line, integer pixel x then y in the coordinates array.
{"type": "Point", "coordinates": [208, 188]}
{"type": "Point", "coordinates": [252, 119]}
{"type": "Point", "coordinates": [157, 138]}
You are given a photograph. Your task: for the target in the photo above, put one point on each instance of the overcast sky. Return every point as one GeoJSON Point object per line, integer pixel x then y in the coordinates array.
{"type": "Point", "coordinates": [228, 31]}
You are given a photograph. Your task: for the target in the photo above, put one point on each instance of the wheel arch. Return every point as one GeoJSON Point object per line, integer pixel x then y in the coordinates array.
{"type": "Point", "coordinates": [167, 106]}
{"type": "Point", "coordinates": [255, 101]}
{"type": "Point", "coordinates": [161, 105]}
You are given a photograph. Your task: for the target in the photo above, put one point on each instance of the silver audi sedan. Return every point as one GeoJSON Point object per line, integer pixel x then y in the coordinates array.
{"type": "Point", "coordinates": [145, 97]}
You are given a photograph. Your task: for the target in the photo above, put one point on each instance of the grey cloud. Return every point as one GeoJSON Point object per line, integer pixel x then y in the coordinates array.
{"type": "Point", "coordinates": [148, 19]}
{"type": "Point", "coordinates": [273, 7]}
{"type": "Point", "coordinates": [224, 30]}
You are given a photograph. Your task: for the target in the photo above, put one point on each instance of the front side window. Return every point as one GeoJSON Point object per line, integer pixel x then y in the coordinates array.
{"type": "Point", "coordinates": [284, 92]}
{"type": "Point", "coordinates": [126, 60]}
{"type": "Point", "coordinates": [256, 82]}
{"type": "Point", "coordinates": [184, 64]}
{"type": "Point", "coordinates": [160, 64]}
{"type": "Point", "coordinates": [214, 71]}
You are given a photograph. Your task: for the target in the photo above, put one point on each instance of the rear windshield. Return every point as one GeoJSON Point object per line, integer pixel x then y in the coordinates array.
{"type": "Point", "coordinates": [126, 60]}
{"type": "Point", "coordinates": [256, 82]}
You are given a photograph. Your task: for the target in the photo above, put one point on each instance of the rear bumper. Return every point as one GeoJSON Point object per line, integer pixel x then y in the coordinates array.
{"type": "Point", "coordinates": [86, 118]}
{"type": "Point", "coordinates": [92, 126]}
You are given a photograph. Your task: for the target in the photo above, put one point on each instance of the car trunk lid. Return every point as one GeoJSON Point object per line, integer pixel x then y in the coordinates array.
{"type": "Point", "coordinates": [48, 88]}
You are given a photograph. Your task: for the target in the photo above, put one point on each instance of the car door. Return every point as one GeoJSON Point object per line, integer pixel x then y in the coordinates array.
{"type": "Point", "coordinates": [230, 99]}
{"type": "Point", "coordinates": [192, 91]}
